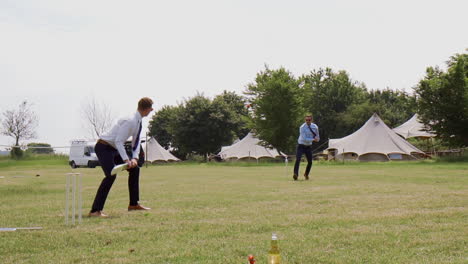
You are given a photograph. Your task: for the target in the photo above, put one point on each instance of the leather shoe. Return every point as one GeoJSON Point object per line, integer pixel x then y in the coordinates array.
{"type": "Point", "coordinates": [97, 214]}
{"type": "Point", "coordinates": [137, 207]}
{"type": "Point", "coordinates": [306, 177]}
{"type": "Point", "coordinates": [295, 177]}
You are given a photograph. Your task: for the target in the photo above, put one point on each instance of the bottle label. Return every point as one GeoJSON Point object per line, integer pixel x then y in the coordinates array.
{"type": "Point", "coordinates": [274, 259]}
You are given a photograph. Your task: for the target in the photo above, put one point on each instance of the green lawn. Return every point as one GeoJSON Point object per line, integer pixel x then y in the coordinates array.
{"type": "Point", "coordinates": [352, 213]}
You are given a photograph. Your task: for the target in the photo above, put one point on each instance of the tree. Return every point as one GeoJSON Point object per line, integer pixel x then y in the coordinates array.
{"type": "Point", "coordinates": [162, 126]}
{"type": "Point", "coordinates": [20, 124]}
{"type": "Point", "coordinates": [328, 96]}
{"type": "Point", "coordinates": [40, 148]}
{"type": "Point", "coordinates": [203, 126]}
{"type": "Point", "coordinates": [394, 107]}
{"type": "Point", "coordinates": [277, 108]}
{"type": "Point", "coordinates": [239, 111]}
{"type": "Point", "coordinates": [443, 100]}
{"type": "Point", "coordinates": [98, 117]}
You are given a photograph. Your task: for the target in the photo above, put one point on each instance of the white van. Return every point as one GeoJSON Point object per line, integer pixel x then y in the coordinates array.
{"type": "Point", "coordinates": [82, 154]}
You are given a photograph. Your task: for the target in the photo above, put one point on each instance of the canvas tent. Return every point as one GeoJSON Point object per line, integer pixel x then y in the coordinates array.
{"type": "Point", "coordinates": [155, 152]}
{"type": "Point", "coordinates": [223, 148]}
{"type": "Point", "coordinates": [413, 128]}
{"type": "Point", "coordinates": [374, 141]}
{"type": "Point", "coordinates": [248, 147]}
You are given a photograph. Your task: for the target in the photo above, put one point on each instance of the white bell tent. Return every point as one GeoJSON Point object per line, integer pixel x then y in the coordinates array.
{"type": "Point", "coordinates": [413, 128]}
{"type": "Point", "coordinates": [247, 148]}
{"type": "Point", "coordinates": [155, 152]}
{"type": "Point", "coordinates": [374, 141]}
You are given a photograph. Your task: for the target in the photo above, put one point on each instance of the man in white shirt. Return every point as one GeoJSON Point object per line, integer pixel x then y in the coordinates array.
{"type": "Point", "coordinates": [110, 151]}
{"type": "Point", "coordinates": [308, 133]}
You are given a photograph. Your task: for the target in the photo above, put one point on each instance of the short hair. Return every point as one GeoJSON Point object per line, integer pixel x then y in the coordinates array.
{"type": "Point", "coordinates": [145, 103]}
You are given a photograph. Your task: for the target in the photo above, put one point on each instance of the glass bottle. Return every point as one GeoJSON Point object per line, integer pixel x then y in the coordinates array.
{"type": "Point", "coordinates": [274, 254]}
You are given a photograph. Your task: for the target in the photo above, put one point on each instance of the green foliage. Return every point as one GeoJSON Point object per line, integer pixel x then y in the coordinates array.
{"type": "Point", "coordinates": [443, 100]}
{"type": "Point", "coordinates": [39, 148]}
{"type": "Point", "coordinates": [327, 96]}
{"type": "Point", "coordinates": [276, 102]}
{"type": "Point", "coordinates": [163, 125]}
{"type": "Point", "coordinates": [394, 107]}
{"type": "Point", "coordinates": [461, 157]}
{"type": "Point", "coordinates": [16, 153]}
{"type": "Point", "coordinates": [204, 125]}
{"type": "Point", "coordinates": [200, 125]}
{"type": "Point", "coordinates": [239, 113]}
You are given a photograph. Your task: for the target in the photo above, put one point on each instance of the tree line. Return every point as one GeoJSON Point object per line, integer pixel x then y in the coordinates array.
{"type": "Point", "coordinates": [274, 104]}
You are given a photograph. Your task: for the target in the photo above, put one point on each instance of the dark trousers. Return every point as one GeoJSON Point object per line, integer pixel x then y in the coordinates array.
{"type": "Point", "coordinates": [109, 157]}
{"type": "Point", "coordinates": [303, 149]}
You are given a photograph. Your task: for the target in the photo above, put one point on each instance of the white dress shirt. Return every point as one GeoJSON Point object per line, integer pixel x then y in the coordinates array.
{"type": "Point", "coordinates": [121, 132]}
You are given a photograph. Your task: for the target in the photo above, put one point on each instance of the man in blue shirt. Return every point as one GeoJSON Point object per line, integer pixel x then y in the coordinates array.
{"type": "Point", "coordinates": [308, 133]}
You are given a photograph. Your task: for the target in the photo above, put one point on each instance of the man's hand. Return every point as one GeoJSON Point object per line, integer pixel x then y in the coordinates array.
{"type": "Point", "coordinates": [131, 163]}
{"type": "Point", "coordinates": [134, 163]}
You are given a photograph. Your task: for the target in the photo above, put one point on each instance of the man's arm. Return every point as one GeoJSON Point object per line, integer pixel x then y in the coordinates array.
{"type": "Point", "coordinates": [317, 135]}
{"type": "Point", "coordinates": [121, 137]}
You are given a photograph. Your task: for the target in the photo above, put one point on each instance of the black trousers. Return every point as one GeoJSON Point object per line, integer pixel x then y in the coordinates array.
{"type": "Point", "coordinates": [109, 157]}
{"type": "Point", "coordinates": [303, 149]}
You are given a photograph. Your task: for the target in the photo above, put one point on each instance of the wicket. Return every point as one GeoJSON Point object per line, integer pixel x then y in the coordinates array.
{"type": "Point", "coordinates": [70, 194]}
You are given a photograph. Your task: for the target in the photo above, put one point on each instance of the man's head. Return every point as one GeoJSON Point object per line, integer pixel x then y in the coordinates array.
{"type": "Point", "coordinates": [145, 106]}
{"type": "Point", "coordinates": [308, 119]}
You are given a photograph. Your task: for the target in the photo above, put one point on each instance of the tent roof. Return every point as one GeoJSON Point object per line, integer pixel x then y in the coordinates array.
{"type": "Point", "coordinates": [413, 128]}
{"type": "Point", "coordinates": [373, 137]}
{"type": "Point", "coordinates": [248, 147]}
{"type": "Point", "coordinates": [156, 152]}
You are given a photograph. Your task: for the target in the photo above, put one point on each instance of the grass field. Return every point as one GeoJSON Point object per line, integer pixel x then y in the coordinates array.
{"type": "Point", "coordinates": [352, 213]}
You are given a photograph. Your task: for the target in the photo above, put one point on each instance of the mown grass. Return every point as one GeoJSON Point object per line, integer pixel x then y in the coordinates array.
{"type": "Point", "coordinates": [33, 161]}
{"type": "Point", "coordinates": [205, 213]}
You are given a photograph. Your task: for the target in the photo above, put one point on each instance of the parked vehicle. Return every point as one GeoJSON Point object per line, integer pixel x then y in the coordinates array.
{"type": "Point", "coordinates": [82, 154]}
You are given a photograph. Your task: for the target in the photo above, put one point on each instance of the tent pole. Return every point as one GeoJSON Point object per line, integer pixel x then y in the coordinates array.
{"type": "Point", "coordinates": [146, 151]}
{"type": "Point", "coordinates": [433, 148]}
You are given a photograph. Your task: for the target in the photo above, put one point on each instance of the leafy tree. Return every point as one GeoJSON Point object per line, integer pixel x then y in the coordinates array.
{"type": "Point", "coordinates": [328, 96]}
{"type": "Point", "coordinates": [40, 148]}
{"type": "Point", "coordinates": [203, 125]}
{"type": "Point", "coordinates": [443, 100]}
{"type": "Point", "coordinates": [163, 125]}
{"type": "Point", "coordinates": [277, 108]}
{"type": "Point", "coordinates": [19, 124]}
{"type": "Point", "coordinates": [394, 107]}
{"type": "Point", "coordinates": [239, 112]}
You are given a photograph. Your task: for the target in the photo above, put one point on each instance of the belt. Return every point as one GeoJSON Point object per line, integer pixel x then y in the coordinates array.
{"type": "Point", "coordinates": [100, 141]}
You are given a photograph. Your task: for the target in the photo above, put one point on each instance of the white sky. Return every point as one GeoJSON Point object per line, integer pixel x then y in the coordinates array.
{"type": "Point", "coordinates": [56, 53]}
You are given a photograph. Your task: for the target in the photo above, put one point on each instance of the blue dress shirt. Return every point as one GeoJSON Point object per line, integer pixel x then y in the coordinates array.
{"type": "Point", "coordinates": [305, 135]}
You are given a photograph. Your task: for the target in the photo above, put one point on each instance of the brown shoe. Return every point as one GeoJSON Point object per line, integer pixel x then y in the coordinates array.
{"type": "Point", "coordinates": [306, 177]}
{"type": "Point", "coordinates": [137, 207]}
{"type": "Point", "coordinates": [295, 177]}
{"type": "Point", "coordinates": [97, 214]}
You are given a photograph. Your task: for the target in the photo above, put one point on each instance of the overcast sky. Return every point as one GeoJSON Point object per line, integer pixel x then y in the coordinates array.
{"type": "Point", "coordinates": [55, 54]}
